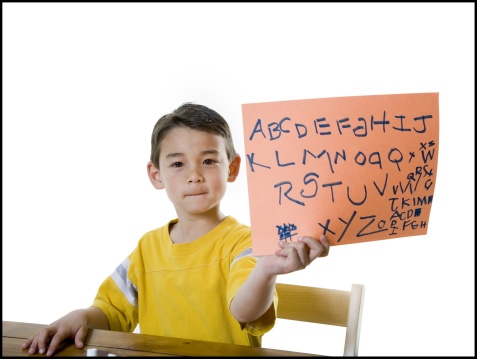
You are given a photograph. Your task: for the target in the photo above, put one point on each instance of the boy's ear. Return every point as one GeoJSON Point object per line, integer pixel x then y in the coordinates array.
{"type": "Point", "coordinates": [154, 176]}
{"type": "Point", "coordinates": [234, 168]}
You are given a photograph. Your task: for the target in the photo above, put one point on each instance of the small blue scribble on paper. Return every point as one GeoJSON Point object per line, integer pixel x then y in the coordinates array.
{"type": "Point", "coordinates": [285, 231]}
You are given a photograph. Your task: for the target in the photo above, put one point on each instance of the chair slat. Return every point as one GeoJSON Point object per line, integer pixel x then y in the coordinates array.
{"type": "Point", "coordinates": [324, 306]}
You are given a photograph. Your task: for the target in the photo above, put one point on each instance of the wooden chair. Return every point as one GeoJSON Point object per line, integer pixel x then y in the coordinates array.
{"type": "Point", "coordinates": [325, 306]}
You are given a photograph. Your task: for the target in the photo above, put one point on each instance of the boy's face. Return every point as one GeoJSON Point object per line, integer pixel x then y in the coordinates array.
{"type": "Point", "coordinates": [194, 170]}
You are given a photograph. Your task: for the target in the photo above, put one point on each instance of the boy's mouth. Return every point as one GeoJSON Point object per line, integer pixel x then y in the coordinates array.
{"type": "Point", "coordinates": [195, 194]}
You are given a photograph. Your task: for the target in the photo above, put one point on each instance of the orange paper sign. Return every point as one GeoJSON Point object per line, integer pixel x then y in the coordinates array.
{"type": "Point", "coordinates": [356, 169]}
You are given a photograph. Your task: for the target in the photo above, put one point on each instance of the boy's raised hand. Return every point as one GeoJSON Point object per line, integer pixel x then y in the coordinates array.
{"type": "Point", "coordinates": [293, 256]}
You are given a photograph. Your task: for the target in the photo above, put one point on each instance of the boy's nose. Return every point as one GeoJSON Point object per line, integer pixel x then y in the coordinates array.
{"type": "Point", "coordinates": [195, 176]}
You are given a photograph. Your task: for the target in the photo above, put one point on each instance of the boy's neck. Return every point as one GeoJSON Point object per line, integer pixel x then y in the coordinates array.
{"type": "Point", "coordinates": [188, 228]}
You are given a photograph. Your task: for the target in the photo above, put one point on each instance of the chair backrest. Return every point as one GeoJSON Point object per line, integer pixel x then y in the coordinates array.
{"type": "Point", "coordinates": [325, 306]}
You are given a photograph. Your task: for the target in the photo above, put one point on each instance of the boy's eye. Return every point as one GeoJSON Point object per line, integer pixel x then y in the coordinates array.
{"type": "Point", "coordinates": [177, 164]}
{"type": "Point", "coordinates": [209, 162]}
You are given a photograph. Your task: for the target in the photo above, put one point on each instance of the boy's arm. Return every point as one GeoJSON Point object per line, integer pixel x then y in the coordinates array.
{"type": "Point", "coordinates": [255, 296]}
{"type": "Point", "coordinates": [74, 325]}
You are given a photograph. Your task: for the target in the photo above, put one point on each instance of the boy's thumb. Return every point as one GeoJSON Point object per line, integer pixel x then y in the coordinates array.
{"type": "Point", "coordinates": [80, 336]}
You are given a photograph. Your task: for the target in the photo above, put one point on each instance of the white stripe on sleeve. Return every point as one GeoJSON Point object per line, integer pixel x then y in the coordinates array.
{"type": "Point", "coordinates": [120, 277]}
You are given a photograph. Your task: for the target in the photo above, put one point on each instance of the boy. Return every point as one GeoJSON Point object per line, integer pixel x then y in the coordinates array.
{"type": "Point", "coordinates": [195, 277]}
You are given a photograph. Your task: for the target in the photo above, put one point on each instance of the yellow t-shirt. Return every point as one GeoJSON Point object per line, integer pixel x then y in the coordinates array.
{"type": "Point", "coordinates": [185, 290]}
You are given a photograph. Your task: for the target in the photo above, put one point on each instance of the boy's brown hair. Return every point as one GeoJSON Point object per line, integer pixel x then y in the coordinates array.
{"type": "Point", "coordinates": [196, 117]}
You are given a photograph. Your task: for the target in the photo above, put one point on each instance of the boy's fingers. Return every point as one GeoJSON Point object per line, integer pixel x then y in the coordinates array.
{"type": "Point", "coordinates": [33, 346]}
{"type": "Point", "coordinates": [80, 336]}
{"type": "Point", "coordinates": [295, 252]}
{"type": "Point", "coordinates": [315, 247]}
{"type": "Point", "coordinates": [318, 248]}
{"type": "Point", "coordinates": [326, 245]}
{"type": "Point", "coordinates": [55, 341]}
{"type": "Point", "coordinates": [45, 338]}
{"type": "Point", "coordinates": [302, 251]}
{"type": "Point", "coordinates": [27, 343]}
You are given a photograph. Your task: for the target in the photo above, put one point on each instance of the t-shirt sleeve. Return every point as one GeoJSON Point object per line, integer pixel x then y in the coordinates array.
{"type": "Point", "coordinates": [240, 270]}
{"type": "Point", "coordinates": [117, 298]}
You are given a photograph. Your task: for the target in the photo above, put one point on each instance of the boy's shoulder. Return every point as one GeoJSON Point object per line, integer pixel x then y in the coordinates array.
{"type": "Point", "coordinates": [157, 232]}
{"type": "Point", "coordinates": [232, 226]}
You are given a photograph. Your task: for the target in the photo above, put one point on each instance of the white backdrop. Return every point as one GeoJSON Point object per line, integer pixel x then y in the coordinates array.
{"type": "Point", "coordinates": [84, 84]}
